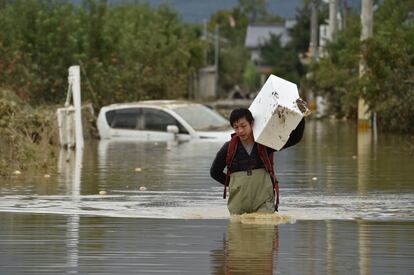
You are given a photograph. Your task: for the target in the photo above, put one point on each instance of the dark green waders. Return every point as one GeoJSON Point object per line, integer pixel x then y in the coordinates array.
{"type": "Point", "coordinates": [251, 191]}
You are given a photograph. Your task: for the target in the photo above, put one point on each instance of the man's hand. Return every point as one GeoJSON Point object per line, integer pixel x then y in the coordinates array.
{"type": "Point", "coordinates": [302, 107]}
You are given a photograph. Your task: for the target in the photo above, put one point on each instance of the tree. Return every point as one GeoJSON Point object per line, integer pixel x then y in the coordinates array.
{"type": "Point", "coordinates": [388, 82]}
{"type": "Point", "coordinates": [284, 60]}
{"type": "Point", "coordinates": [233, 25]}
{"type": "Point", "coordinates": [128, 51]}
{"type": "Point", "coordinates": [251, 77]}
{"type": "Point", "coordinates": [389, 55]}
{"type": "Point", "coordinates": [255, 10]}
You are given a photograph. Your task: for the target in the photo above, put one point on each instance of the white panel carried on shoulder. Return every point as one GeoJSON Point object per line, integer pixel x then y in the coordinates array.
{"type": "Point", "coordinates": [275, 111]}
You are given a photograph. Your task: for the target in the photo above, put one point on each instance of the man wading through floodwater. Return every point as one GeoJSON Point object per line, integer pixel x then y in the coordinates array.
{"type": "Point", "coordinates": [250, 174]}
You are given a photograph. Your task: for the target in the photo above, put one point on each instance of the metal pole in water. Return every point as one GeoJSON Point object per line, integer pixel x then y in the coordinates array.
{"type": "Point", "coordinates": [74, 75]}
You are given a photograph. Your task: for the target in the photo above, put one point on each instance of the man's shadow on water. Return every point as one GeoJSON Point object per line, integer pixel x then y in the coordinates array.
{"type": "Point", "coordinates": [247, 249]}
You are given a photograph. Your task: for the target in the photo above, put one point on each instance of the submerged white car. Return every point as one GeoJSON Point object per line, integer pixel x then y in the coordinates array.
{"type": "Point", "coordinates": [161, 120]}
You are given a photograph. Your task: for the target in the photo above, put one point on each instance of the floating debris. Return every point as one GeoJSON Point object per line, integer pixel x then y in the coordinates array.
{"type": "Point", "coordinates": [354, 157]}
{"type": "Point", "coordinates": [102, 193]}
{"type": "Point", "coordinates": [138, 169]}
{"type": "Point", "coordinates": [143, 188]}
{"type": "Point", "coordinates": [47, 176]}
{"type": "Point", "coordinates": [314, 178]}
{"type": "Point", "coordinates": [261, 218]}
{"type": "Point", "coordinates": [17, 172]}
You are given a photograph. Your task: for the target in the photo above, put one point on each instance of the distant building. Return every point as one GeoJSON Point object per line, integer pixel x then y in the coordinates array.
{"type": "Point", "coordinates": [258, 35]}
{"type": "Point", "coordinates": [205, 84]}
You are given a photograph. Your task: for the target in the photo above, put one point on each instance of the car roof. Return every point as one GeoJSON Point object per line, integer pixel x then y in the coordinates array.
{"type": "Point", "coordinates": [166, 104]}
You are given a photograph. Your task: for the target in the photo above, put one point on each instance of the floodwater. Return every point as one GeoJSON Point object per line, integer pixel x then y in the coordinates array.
{"type": "Point", "coordinates": [349, 196]}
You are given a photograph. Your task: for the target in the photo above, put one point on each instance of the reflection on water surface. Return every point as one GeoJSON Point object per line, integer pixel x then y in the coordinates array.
{"type": "Point", "coordinates": [351, 196]}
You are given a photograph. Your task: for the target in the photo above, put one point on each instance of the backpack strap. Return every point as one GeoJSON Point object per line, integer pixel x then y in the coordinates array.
{"type": "Point", "coordinates": [231, 152]}
{"type": "Point", "coordinates": [268, 163]}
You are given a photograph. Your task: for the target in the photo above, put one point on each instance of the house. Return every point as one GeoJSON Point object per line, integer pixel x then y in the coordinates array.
{"type": "Point", "coordinates": [258, 35]}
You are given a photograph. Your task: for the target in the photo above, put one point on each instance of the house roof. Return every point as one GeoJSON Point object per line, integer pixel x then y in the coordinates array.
{"type": "Point", "coordinates": [258, 35]}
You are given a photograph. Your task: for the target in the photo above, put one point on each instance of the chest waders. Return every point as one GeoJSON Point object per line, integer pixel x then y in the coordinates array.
{"type": "Point", "coordinates": [266, 159]}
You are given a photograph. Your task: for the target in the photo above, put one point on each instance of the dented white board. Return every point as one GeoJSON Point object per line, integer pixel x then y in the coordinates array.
{"type": "Point", "coordinates": [275, 112]}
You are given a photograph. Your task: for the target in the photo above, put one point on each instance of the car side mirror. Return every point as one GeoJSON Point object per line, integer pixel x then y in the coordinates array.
{"type": "Point", "coordinates": [172, 129]}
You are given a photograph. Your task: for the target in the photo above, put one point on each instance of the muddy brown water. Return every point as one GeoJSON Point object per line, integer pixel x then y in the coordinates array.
{"type": "Point", "coordinates": [350, 197]}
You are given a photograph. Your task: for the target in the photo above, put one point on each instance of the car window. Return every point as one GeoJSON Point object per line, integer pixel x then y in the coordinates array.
{"type": "Point", "coordinates": [202, 118]}
{"type": "Point", "coordinates": [123, 118]}
{"type": "Point", "coordinates": [158, 120]}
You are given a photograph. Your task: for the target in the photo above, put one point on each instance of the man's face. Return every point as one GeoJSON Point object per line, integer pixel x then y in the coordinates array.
{"type": "Point", "coordinates": [243, 129]}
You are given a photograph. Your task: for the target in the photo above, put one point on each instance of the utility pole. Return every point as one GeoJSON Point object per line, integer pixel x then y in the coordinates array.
{"type": "Point", "coordinates": [345, 13]}
{"type": "Point", "coordinates": [333, 25]}
{"type": "Point", "coordinates": [367, 13]}
{"type": "Point", "coordinates": [314, 29]}
{"type": "Point", "coordinates": [216, 56]}
{"type": "Point", "coordinates": [205, 37]}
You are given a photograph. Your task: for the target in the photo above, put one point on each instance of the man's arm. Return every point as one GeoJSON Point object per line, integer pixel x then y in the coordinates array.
{"type": "Point", "coordinates": [296, 134]}
{"type": "Point", "coordinates": [218, 165]}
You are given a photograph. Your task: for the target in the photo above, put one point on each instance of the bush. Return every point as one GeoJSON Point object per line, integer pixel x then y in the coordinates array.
{"type": "Point", "coordinates": [27, 136]}
{"type": "Point", "coordinates": [388, 84]}
{"type": "Point", "coordinates": [128, 51]}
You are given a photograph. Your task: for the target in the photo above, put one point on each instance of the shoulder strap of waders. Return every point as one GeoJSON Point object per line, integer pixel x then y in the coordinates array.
{"type": "Point", "coordinates": [268, 163]}
{"type": "Point", "coordinates": [231, 151]}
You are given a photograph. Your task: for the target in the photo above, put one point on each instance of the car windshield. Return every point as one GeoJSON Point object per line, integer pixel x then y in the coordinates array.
{"type": "Point", "coordinates": [202, 118]}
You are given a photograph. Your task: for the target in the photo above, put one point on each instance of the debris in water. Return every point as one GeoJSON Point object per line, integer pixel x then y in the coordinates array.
{"type": "Point", "coordinates": [138, 169]}
{"type": "Point", "coordinates": [314, 178]}
{"type": "Point", "coordinates": [47, 176]}
{"type": "Point", "coordinates": [143, 188]}
{"type": "Point", "coordinates": [102, 193]}
{"type": "Point", "coordinates": [354, 157]}
{"type": "Point", "coordinates": [17, 172]}
{"type": "Point", "coordinates": [261, 218]}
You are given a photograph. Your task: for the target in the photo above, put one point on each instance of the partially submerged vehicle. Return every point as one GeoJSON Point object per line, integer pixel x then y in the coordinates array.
{"type": "Point", "coordinates": [161, 120]}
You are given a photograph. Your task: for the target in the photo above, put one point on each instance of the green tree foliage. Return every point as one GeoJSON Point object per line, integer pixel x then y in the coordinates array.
{"type": "Point", "coordinates": [389, 80]}
{"type": "Point", "coordinates": [284, 60]}
{"type": "Point", "coordinates": [232, 65]}
{"type": "Point", "coordinates": [336, 76]}
{"type": "Point", "coordinates": [27, 135]}
{"type": "Point", "coordinates": [233, 55]}
{"type": "Point", "coordinates": [387, 85]}
{"type": "Point", "coordinates": [37, 43]}
{"type": "Point", "coordinates": [255, 10]}
{"type": "Point", "coordinates": [233, 25]}
{"type": "Point", "coordinates": [128, 51]}
{"type": "Point", "coordinates": [151, 55]}
{"type": "Point", "coordinates": [251, 77]}
{"type": "Point", "coordinates": [300, 33]}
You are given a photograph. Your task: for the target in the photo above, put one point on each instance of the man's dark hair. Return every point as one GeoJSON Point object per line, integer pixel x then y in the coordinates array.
{"type": "Point", "coordinates": [240, 113]}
